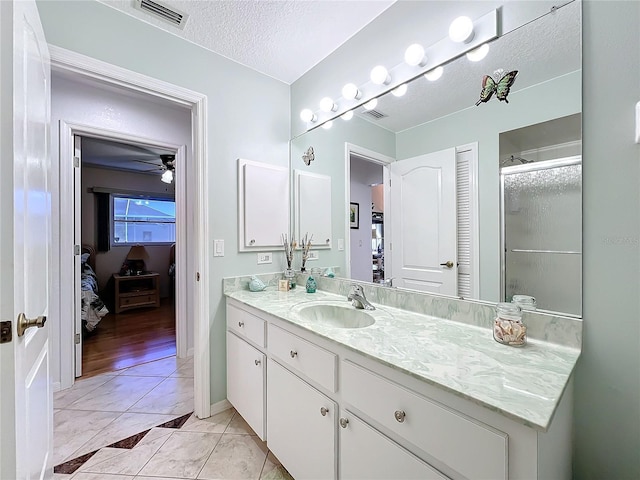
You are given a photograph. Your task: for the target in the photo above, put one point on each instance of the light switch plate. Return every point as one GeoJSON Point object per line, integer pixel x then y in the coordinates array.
{"type": "Point", "coordinates": [341, 244]}
{"type": "Point", "coordinates": [638, 122]}
{"type": "Point", "coordinates": [266, 257]}
{"type": "Point", "coordinates": [218, 248]}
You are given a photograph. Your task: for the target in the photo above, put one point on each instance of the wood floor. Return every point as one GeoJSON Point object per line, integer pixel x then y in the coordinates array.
{"type": "Point", "coordinates": [130, 338]}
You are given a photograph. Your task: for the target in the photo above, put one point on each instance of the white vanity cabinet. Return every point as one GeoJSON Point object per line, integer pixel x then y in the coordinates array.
{"type": "Point", "coordinates": [246, 366]}
{"type": "Point", "coordinates": [384, 459]}
{"type": "Point", "coordinates": [332, 412]}
{"type": "Point", "coordinates": [301, 425]}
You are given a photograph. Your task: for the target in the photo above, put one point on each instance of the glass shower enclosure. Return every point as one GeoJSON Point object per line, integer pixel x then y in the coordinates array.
{"type": "Point", "coordinates": [541, 219]}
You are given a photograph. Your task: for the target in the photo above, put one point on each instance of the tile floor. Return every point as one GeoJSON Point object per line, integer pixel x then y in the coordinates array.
{"type": "Point", "coordinates": [135, 424]}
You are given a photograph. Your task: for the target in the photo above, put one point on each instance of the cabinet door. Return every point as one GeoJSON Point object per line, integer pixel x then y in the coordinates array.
{"type": "Point", "coordinates": [245, 382]}
{"type": "Point", "coordinates": [264, 205]}
{"type": "Point", "coordinates": [301, 426]}
{"type": "Point", "coordinates": [368, 455]}
{"type": "Point", "coordinates": [313, 207]}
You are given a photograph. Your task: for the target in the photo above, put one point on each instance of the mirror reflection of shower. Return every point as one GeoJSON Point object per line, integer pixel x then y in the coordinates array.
{"type": "Point", "coordinates": [541, 214]}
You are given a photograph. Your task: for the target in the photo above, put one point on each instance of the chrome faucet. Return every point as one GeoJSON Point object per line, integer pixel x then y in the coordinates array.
{"type": "Point", "coordinates": [358, 300]}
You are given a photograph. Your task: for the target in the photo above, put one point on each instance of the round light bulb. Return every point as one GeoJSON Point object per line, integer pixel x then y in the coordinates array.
{"type": "Point", "coordinates": [327, 105]}
{"type": "Point", "coordinates": [414, 55]}
{"type": "Point", "coordinates": [400, 91]}
{"type": "Point", "coordinates": [307, 115]}
{"type": "Point", "coordinates": [479, 53]}
{"type": "Point", "coordinates": [461, 30]}
{"type": "Point", "coordinates": [371, 104]}
{"type": "Point", "coordinates": [347, 115]}
{"type": "Point", "coordinates": [435, 74]}
{"type": "Point", "coordinates": [327, 125]}
{"type": "Point", "coordinates": [167, 176]}
{"type": "Point", "coordinates": [350, 92]}
{"type": "Point", "coordinates": [380, 75]}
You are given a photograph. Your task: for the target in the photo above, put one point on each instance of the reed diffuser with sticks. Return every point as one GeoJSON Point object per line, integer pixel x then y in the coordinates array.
{"type": "Point", "coordinates": [306, 245]}
{"type": "Point", "coordinates": [289, 248]}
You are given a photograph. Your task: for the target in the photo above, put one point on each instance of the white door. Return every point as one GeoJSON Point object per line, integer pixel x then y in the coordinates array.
{"type": "Point", "coordinates": [77, 259]}
{"type": "Point", "coordinates": [423, 234]}
{"type": "Point", "coordinates": [26, 411]}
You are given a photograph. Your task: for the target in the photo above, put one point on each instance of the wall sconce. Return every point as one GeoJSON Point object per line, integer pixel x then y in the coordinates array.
{"type": "Point", "coordinates": [414, 56]}
{"type": "Point", "coordinates": [461, 30]}
{"type": "Point", "coordinates": [380, 75]}
{"type": "Point", "coordinates": [351, 92]}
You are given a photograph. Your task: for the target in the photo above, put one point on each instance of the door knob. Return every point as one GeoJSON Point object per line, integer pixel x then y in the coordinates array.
{"type": "Point", "coordinates": [449, 264]}
{"type": "Point", "coordinates": [24, 323]}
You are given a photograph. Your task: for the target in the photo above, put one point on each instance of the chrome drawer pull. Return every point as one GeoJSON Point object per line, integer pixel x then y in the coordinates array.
{"type": "Point", "coordinates": [324, 411]}
{"type": "Point", "coordinates": [241, 324]}
{"type": "Point", "coordinates": [344, 422]}
{"type": "Point", "coordinates": [400, 415]}
{"type": "Point", "coordinates": [293, 353]}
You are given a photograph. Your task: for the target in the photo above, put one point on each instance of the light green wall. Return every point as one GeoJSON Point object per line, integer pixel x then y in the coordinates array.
{"type": "Point", "coordinates": [607, 383]}
{"type": "Point", "coordinates": [329, 148]}
{"type": "Point", "coordinates": [248, 117]}
{"type": "Point", "coordinates": [483, 124]}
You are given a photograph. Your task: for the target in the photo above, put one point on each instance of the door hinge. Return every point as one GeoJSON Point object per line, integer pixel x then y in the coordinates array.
{"type": "Point", "coordinates": [76, 162]}
{"type": "Point", "coordinates": [197, 276]}
{"type": "Point", "coordinates": [6, 334]}
{"type": "Point", "coordinates": [76, 249]}
{"type": "Point", "coordinates": [77, 338]}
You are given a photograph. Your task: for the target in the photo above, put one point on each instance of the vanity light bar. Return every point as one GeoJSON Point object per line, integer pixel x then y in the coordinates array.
{"type": "Point", "coordinates": [444, 51]}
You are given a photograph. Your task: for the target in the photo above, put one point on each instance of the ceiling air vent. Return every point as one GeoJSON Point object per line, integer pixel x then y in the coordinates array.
{"type": "Point", "coordinates": [375, 114]}
{"type": "Point", "coordinates": [159, 10]}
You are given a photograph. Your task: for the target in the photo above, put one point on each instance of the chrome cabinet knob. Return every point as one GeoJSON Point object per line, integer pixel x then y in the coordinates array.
{"type": "Point", "coordinates": [241, 324]}
{"type": "Point", "coordinates": [24, 323]}
{"type": "Point", "coordinates": [399, 414]}
{"type": "Point", "coordinates": [257, 362]}
{"type": "Point", "coordinates": [324, 411]}
{"type": "Point", "coordinates": [252, 242]}
{"type": "Point", "coordinates": [293, 354]}
{"type": "Point", "coordinates": [328, 240]}
{"type": "Point", "coordinates": [344, 422]}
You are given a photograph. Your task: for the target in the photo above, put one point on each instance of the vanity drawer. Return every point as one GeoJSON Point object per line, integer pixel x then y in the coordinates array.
{"type": "Point", "coordinates": [246, 325]}
{"type": "Point", "coordinates": [474, 450]}
{"type": "Point", "coordinates": [318, 364]}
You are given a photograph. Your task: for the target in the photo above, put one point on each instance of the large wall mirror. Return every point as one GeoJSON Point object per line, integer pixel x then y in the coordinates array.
{"type": "Point", "coordinates": [480, 202]}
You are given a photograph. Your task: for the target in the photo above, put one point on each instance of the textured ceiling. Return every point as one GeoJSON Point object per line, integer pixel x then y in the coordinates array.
{"type": "Point", "coordinates": [280, 38]}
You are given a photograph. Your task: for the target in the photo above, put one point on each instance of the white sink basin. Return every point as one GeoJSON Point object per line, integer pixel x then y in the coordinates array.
{"type": "Point", "coordinates": [335, 315]}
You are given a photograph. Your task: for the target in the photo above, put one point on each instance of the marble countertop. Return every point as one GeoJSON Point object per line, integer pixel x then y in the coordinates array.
{"type": "Point", "coordinates": [524, 383]}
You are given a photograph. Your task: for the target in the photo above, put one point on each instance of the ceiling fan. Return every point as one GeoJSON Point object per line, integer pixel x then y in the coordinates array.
{"type": "Point", "coordinates": [168, 161]}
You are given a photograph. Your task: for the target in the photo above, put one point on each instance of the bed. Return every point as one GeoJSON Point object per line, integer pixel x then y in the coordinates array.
{"type": "Point", "coordinates": [92, 309]}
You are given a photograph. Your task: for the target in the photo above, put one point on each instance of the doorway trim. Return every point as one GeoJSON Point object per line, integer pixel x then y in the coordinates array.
{"type": "Point", "coordinates": [195, 257]}
{"type": "Point", "coordinates": [373, 157]}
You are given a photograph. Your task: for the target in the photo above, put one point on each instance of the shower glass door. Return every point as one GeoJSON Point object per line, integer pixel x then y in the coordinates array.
{"type": "Point", "coordinates": [542, 233]}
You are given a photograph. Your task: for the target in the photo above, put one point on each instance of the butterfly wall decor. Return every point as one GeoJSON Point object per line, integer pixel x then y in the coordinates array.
{"type": "Point", "coordinates": [308, 156]}
{"type": "Point", "coordinates": [500, 87]}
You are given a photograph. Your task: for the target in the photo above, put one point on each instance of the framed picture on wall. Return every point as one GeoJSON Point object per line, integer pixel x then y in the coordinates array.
{"type": "Point", "coordinates": [354, 215]}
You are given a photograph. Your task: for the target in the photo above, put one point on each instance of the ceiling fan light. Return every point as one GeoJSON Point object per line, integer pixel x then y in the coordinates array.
{"type": "Point", "coordinates": [167, 176]}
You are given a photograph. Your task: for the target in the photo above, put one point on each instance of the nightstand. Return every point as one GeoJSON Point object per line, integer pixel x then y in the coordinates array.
{"type": "Point", "coordinates": [135, 291]}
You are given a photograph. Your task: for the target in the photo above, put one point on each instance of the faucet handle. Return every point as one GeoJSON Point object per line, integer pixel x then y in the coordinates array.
{"type": "Point", "coordinates": [356, 289]}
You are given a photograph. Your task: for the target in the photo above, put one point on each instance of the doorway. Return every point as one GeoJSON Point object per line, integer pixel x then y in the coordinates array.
{"type": "Point", "coordinates": [125, 220]}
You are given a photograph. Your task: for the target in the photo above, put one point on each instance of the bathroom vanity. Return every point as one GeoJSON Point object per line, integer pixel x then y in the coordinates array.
{"type": "Point", "coordinates": [406, 396]}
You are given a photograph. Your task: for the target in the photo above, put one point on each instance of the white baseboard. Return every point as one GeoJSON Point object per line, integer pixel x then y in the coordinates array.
{"type": "Point", "coordinates": [57, 386]}
{"type": "Point", "coordinates": [220, 406]}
